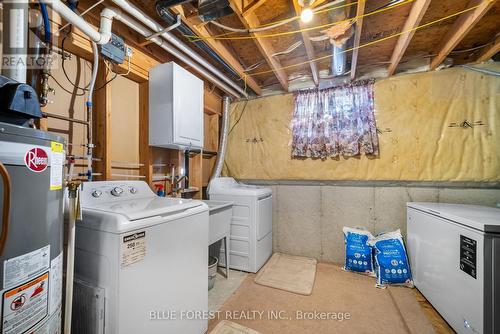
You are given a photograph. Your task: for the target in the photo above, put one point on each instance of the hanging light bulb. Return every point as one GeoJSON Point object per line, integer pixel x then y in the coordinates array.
{"type": "Point", "coordinates": [306, 15]}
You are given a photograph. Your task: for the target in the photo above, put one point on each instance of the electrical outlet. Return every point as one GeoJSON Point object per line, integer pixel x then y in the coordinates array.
{"type": "Point", "coordinates": [128, 51]}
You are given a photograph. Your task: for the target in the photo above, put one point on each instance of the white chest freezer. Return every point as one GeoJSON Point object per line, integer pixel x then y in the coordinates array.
{"type": "Point", "coordinates": [454, 253]}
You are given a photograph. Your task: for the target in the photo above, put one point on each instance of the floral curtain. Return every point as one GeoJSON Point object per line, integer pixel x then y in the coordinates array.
{"type": "Point", "coordinates": [334, 122]}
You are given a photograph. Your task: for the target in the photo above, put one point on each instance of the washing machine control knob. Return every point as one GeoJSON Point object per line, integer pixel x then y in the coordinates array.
{"type": "Point", "coordinates": [117, 191]}
{"type": "Point", "coordinates": [96, 193]}
{"type": "Point", "coordinates": [133, 190]}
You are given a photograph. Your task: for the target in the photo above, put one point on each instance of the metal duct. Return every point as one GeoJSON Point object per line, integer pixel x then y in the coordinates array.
{"type": "Point", "coordinates": [339, 60]}
{"type": "Point", "coordinates": [226, 101]}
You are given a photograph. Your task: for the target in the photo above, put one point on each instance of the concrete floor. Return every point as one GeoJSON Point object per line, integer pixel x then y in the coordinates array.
{"type": "Point", "coordinates": [224, 288]}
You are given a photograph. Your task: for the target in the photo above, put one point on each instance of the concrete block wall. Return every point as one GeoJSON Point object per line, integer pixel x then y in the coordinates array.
{"type": "Point", "coordinates": [308, 219]}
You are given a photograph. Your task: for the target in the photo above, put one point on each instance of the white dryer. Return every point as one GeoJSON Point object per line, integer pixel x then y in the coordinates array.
{"type": "Point", "coordinates": [140, 262]}
{"type": "Point", "coordinates": [251, 237]}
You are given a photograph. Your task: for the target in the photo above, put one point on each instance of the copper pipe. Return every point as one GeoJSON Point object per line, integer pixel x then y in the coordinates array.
{"type": "Point", "coordinates": [6, 206]}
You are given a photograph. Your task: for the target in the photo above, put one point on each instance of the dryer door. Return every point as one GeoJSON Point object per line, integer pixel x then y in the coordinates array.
{"type": "Point", "coordinates": [264, 216]}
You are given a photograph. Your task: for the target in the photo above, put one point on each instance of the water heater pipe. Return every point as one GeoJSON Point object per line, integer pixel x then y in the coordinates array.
{"type": "Point", "coordinates": [226, 101]}
{"type": "Point", "coordinates": [15, 37]}
{"type": "Point", "coordinates": [70, 255]}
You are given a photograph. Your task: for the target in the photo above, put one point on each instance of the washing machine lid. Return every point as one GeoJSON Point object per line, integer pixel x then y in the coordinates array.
{"type": "Point", "coordinates": [482, 218]}
{"type": "Point", "coordinates": [229, 186]}
{"type": "Point", "coordinates": [139, 208]}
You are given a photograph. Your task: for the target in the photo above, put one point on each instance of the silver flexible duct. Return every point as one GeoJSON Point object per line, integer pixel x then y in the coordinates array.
{"type": "Point", "coordinates": [226, 101]}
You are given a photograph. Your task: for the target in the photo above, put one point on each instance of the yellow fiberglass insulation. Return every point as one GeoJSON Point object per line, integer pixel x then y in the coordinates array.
{"type": "Point", "coordinates": [413, 113]}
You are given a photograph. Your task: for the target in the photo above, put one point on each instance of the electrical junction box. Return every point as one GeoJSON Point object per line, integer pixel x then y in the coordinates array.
{"type": "Point", "coordinates": [175, 108]}
{"type": "Point", "coordinates": [115, 50]}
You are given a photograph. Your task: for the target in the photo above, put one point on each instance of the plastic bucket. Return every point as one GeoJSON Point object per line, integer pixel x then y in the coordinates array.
{"type": "Point", "coordinates": [212, 271]}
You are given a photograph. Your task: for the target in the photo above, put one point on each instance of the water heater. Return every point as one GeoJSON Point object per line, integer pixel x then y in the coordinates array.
{"type": "Point", "coordinates": [32, 260]}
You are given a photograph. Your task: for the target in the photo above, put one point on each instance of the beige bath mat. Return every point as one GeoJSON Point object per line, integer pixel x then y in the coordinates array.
{"type": "Point", "coordinates": [228, 327]}
{"type": "Point", "coordinates": [290, 273]}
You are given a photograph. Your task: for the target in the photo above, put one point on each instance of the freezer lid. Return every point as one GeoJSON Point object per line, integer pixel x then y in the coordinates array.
{"type": "Point", "coordinates": [139, 208]}
{"type": "Point", "coordinates": [482, 218]}
{"type": "Point", "coordinates": [229, 186]}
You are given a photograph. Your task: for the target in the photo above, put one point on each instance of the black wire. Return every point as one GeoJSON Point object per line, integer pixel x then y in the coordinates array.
{"type": "Point", "coordinates": [63, 88]}
{"type": "Point", "coordinates": [239, 118]}
{"type": "Point", "coordinates": [74, 84]}
{"type": "Point", "coordinates": [64, 68]}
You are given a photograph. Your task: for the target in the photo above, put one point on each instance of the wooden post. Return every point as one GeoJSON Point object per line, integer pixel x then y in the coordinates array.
{"type": "Point", "coordinates": [101, 125]}
{"type": "Point", "coordinates": [145, 151]}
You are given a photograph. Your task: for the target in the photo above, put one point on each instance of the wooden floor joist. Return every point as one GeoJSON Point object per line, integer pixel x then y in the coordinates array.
{"type": "Point", "coordinates": [417, 13]}
{"type": "Point", "coordinates": [308, 46]}
{"type": "Point", "coordinates": [219, 48]}
{"type": "Point", "coordinates": [264, 45]}
{"type": "Point", "coordinates": [252, 7]}
{"type": "Point", "coordinates": [357, 37]}
{"type": "Point", "coordinates": [460, 28]}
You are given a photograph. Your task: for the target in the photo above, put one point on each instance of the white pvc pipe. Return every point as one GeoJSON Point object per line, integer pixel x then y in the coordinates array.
{"type": "Point", "coordinates": [100, 37]}
{"type": "Point", "coordinates": [70, 263]}
{"type": "Point", "coordinates": [142, 17]}
{"type": "Point", "coordinates": [15, 32]}
{"type": "Point", "coordinates": [104, 35]}
{"type": "Point", "coordinates": [134, 25]}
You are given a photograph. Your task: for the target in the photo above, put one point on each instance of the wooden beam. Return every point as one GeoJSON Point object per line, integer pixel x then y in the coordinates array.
{"type": "Point", "coordinates": [145, 151]}
{"type": "Point", "coordinates": [102, 125]}
{"type": "Point", "coordinates": [489, 51]}
{"type": "Point", "coordinates": [357, 37]}
{"type": "Point", "coordinates": [263, 44]}
{"type": "Point", "coordinates": [416, 14]}
{"type": "Point", "coordinates": [308, 46]}
{"type": "Point", "coordinates": [460, 28]}
{"type": "Point", "coordinates": [252, 7]}
{"type": "Point", "coordinates": [222, 51]}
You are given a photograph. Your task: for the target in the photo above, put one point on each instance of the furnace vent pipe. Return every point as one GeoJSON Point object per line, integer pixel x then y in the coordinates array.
{"type": "Point", "coordinates": [136, 26]}
{"type": "Point", "coordinates": [103, 36]}
{"type": "Point", "coordinates": [226, 101]}
{"type": "Point", "coordinates": [100, 37]}
{"type": "Point", "coordinates": [142, 17]}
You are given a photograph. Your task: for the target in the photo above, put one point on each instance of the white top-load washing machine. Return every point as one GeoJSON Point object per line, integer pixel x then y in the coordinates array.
{"type": "Point", "coordinates": [454, 253]}
{"type": "Point", "coordinates": [140, 262]}
{"type": "Point", "coordinates": [251, 237]}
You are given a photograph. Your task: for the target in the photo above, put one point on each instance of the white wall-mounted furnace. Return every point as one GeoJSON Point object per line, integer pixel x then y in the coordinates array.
{"type": "Point", "coordinates": [175, 108]}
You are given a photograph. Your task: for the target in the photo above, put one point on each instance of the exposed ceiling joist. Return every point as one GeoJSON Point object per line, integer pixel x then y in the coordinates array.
{"type": "Point", "coordinates": [357, 37]}
{"type": "Point", "coordinates": [417, 13]}
{"type": "Point", "coordinates": [489, 51]}
{"type": "Point", "coordinates": [221, 50]}
{"type": "Point", "coordinates": [252, 7]}
{"type": "Point", "coordinates": [250, 21]}
{"type": "Point", "coordinates": [460, 28]}
{"type": "Point", "coordinates": [308, 46]}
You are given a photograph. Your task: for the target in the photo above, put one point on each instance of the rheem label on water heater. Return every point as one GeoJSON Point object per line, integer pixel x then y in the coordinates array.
{"type": "Point", "coordinates": [468, 254]}
{"type": "Point", "coordinates": [133, 248]}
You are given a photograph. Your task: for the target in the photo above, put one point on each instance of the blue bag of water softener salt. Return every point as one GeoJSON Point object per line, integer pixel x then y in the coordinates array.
{"type": "Point", "coordinates": [358, 253]}
{"type": "Point", "coordinates": [391, 260]}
